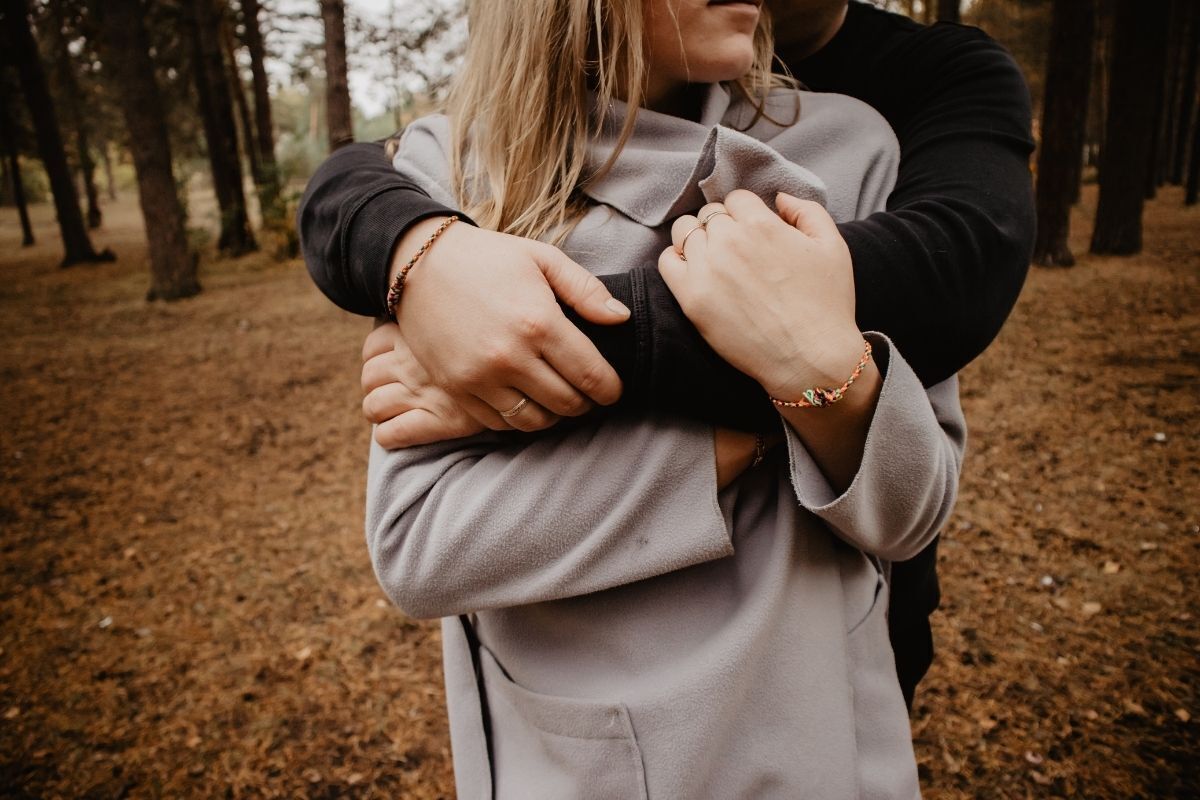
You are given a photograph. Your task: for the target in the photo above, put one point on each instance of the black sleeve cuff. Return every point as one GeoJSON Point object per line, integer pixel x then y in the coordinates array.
{"type": "Point", "coordinates": [370, 238]}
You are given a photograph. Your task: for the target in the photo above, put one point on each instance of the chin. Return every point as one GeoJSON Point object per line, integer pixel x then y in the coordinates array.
{"type": "Point", "coordinates": [730, 67]}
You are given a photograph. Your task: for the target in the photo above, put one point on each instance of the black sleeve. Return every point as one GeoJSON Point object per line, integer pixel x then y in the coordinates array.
{"type": "Point", "coordinates": [354, 210]}
{"type": "Point", "coordinates": [941, 269]}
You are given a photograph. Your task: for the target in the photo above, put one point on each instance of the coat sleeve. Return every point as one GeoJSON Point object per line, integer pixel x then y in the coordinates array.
{"type": "Point", "coordinates": [497, 521]}
{"type": "Point", "coordinates": [906, 485]}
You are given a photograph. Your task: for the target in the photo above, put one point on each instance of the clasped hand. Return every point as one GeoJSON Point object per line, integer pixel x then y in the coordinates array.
{"type": "Point", "coordinates": [772, 293]}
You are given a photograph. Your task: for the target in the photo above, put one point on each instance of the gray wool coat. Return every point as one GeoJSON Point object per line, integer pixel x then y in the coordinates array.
{"type": "Point", "coordinates": [642, 634]}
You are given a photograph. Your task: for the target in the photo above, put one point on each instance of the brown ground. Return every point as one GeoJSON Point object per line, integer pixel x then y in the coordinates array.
{"type": "Point", "coordinates": [187, 606]}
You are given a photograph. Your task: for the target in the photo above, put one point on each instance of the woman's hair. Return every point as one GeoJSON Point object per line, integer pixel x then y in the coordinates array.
{"type": "Point", "coordinates": [521, 110]}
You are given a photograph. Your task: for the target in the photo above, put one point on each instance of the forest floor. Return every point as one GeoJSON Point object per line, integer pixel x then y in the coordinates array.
{"type": "Point", "coordinates": [187, 607]}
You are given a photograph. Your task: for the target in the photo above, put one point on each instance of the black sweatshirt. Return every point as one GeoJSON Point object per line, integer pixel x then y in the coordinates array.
{"type": "Point", "coordinates": [938, 271]}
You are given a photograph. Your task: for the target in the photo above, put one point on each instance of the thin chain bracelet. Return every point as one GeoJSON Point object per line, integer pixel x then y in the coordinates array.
{"type": "Point", "coordinates": [397, 287]}
{"type": "Point", "coordinates": [818, 397]}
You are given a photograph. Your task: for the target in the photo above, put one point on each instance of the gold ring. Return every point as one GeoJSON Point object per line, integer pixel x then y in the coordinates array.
{"type": "Point", "coordinates": [512, 412]}
{"type": "Point", "coordinates": [707, 217]}
{"type": "Point", "coordinates": [683, 244]}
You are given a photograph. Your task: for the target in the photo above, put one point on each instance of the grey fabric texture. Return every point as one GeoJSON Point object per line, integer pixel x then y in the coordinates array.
{"type": "Point", "coordinates": [642, 633]}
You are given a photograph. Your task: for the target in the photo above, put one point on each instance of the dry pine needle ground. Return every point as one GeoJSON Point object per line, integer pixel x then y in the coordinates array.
{"type": "Point", "coordinates": [187, 607]}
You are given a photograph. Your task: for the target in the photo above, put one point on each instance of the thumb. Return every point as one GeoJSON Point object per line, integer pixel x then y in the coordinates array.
{"type": "Point", "coordinates": [579, 289]}
{"type": "Point", "coordinates": [808, 217]}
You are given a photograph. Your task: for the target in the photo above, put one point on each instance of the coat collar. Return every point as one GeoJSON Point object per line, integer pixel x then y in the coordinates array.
{"type": "Point", "coordinates": [672, 166]}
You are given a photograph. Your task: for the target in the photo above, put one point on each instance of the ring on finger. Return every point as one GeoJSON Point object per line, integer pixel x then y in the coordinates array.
{"type": "Point", "coordinates": [512, 412]}
{"type": "Point", "coordinates": [709, 216]}
{"type": "Point", "coordinates": [686, 236]}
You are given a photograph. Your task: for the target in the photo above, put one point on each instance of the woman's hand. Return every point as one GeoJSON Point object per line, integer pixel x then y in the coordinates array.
{"type": "Point", "coordinates": [480, 315]}
{"type": "Point", "coordinates": [399, 397]}
{"type": "Point", "coordinates": [774, 296]}
{"type": "Point", "coordinates": [772, 293]}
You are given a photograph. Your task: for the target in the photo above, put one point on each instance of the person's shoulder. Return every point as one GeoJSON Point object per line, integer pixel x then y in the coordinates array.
{"type": "Point", "coordinates": [424, 156]}
{"type": "Point", "coordinates": [824, 118]}
{"type": "Point", "coordinates": [430, 129]}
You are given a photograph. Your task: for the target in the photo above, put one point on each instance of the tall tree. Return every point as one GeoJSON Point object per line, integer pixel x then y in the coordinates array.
{"type": "Point", "coordinates": [220, 131]}
{"type": "Point", "coordinates": [76, 244]}
{"type": "Point", "coordinates": [1064, 123]}
{"type": "Point", "coordinates": [264, 126]}
{"type": "Point", "coordinates": [238, 92]}
{"type": "Point", "coordinates": [8, 139]}
{"type": "Point", "coordinates": [1139, 39]}
{"type": "Point", "coordinates": [337, 86]}
{"type": "Point", "coordinates": [1189, 101]}
{"type": "Point", "coordinates": [1191, 192]}
{"type": "Point", "coordinates": [73, 100]}
{"type": "Point", "coordinates": [126, 53]}
{"type": "Point", "coordinates": [949, 10]}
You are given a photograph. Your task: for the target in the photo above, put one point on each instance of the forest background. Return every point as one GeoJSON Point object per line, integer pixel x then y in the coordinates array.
{"type": "Point", "coordinates": [187, 606]}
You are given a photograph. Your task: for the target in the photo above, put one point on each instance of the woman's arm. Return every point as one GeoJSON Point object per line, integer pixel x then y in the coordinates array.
{"type": "Point", "coordinates": [881, 464]}
{"type": "Point", "coordinates": [939, 271]}
{"type": "Point", "coordinates": [495, 521]}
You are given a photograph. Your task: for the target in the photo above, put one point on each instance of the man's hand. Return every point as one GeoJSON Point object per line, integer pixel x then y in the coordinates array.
{"type": "Point", "coordinates": [400, 399]}
{"type": "Point", "coordinates": [480, 316]}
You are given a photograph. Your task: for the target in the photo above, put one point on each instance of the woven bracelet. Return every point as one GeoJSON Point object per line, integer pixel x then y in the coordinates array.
{"type": "Point", "coordinates": [818, 397]}
{"type": "Point", "coordinates": [397, 287]}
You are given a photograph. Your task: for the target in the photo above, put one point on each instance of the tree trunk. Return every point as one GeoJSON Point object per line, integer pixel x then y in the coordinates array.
{"type": "Point", "coordinates": [268, 178]}
{"type": "Point", "coordinates": [1189, 102]}
{"type": "Point", "coordinates": [220, 132]}
{"type": "Point", "coordinates": [1064, 124]}
{"type": "Point", "coordinates": [239, 97]}
{"type": "Point", "coordinates": [126, 48]}
{"type": "Point", "coordinates": [14, 172]}
{"type": "Point", "coordinates": [109, 180]}
{"type": "Point", "coordinates": [1192, 191]}
{"type": "Point", "coordinates": [73, 100]}
{"type": "Point", "coordinates": [1139, 39]}
{"type": "Point", "coordinates": [949, 10]}
{"type": "Point", "coordinates": [337, 87]}
{"type": "Point", "coordinates": [76, 244]}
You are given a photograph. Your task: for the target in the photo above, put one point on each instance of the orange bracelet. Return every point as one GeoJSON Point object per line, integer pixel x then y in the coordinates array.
{"type": "Point", "coordinates": [818, 397]}
{"type": "Point", "coordinates": [397, 287]}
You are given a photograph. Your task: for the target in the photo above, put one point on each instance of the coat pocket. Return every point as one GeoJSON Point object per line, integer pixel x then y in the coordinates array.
{"type": "Point", "coordinates": [554, 747]}
{"type": "Point", "coordinates": [887, 766]}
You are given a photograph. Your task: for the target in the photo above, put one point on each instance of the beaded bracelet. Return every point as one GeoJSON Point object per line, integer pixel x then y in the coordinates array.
{"type": "Point", "coordinates": [818, 397]}
{"type": "Point", "coordinates": [397, 287]}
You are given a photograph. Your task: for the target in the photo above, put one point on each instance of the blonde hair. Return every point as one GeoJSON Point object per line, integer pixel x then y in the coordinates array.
{"type": "Point", "coordinates": [521, 109]}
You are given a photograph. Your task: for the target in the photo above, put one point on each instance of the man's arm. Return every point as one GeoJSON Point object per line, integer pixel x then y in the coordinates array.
{"type": "Point", "coordinates": [938, 272]}
{"type": "Point", "coordinates": [354, 210]}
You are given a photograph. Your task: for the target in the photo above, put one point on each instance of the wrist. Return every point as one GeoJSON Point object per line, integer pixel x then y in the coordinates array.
{"type": "Point", "coordinates": [410, 242]}
{"type": "Point", "coordinates": [825, 367]}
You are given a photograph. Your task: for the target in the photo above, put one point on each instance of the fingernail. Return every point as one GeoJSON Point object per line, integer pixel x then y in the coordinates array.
{"type": "Point", "coordinates": [616, 306]}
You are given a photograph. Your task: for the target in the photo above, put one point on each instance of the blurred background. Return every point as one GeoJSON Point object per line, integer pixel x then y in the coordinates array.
{"type": "Point", "coordinates": [186, 603]}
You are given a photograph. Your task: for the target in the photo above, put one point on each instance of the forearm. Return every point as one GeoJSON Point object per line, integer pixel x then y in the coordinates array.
{"type": "Point", "coordinates": [487, 523]}
{"type": "Point", "coordinates": [354, 210]}
{"type": "Point", "coordinates": [940, 271]}
{"type": "Point", "coordinates": [903, 488]}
